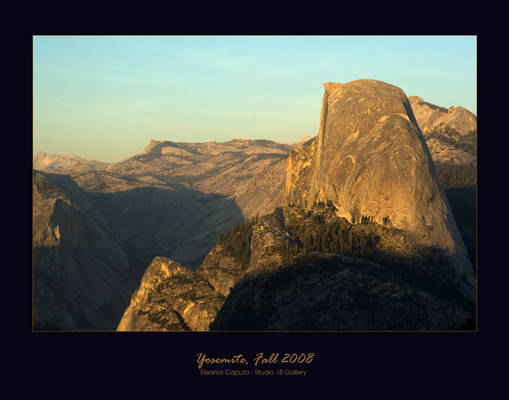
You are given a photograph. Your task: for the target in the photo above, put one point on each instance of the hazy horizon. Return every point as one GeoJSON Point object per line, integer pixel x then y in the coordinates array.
{"type": "Point", "coordinates": [105, 97]}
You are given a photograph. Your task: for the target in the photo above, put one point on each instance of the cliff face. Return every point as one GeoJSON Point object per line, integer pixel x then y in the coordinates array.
{"type": "Point", "coordinates": [370, 159]}
{"type": "Point", "coordinates": [171, 298]}
{"type": "Point", "coordinates": [299, 174]}
{"type": "Point", "coordinates": [81, 273]}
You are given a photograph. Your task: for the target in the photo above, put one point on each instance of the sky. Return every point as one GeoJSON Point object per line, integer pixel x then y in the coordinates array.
{"type": "Point", "coordinates": [105, 97]}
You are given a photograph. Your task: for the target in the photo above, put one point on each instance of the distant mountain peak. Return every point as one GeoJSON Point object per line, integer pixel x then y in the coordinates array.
{"type": "Point", "coordinates": [59, 162]}
{"type": "Point", "coordinates": [431, 117]}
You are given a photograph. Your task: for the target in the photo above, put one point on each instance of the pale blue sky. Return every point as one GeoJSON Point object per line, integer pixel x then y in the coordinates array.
{"type": "Point", "coordinates": [105, 97]}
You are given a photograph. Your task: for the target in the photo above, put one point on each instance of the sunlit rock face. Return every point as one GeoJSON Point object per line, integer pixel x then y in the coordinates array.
{"type": "Point", "coordinates": [370, 159]}
{"type": "Point", "coordinates": [430, 117]}
{"type": "Point", "coordinates": [451, 134]}
{"type": "Point", "coordinates": [171, 298]}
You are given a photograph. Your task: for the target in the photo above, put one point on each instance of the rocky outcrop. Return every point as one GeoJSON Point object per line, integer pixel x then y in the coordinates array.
{"type": "Point", "coordinates": [221, 269]}
{"type": "Point", "coordinates": [171, 298]}
{"type": "Point", "coordinates": [285, 287]}
{"type": "Point", "coordinates": [451, 134]}
{"type": "Point", "coordinates": [370, 159]}
{"type": "Point", "coordinates": [299, 174]}
{"type": "Point", "coordinates": [430, 117]}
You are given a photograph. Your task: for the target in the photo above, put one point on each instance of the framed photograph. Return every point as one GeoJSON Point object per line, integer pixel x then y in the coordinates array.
{"type": "Point", "coordinates": [215, 192]}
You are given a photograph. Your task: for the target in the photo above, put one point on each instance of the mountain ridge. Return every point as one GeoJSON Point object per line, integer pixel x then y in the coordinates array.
{"type": "Point", "coordinates": [218, 183]}
{"type": "Point", "coordinates": [260, 257]}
